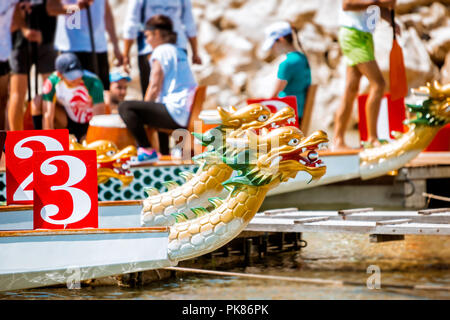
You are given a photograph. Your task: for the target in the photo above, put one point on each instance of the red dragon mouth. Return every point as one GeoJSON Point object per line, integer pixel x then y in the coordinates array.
{"type": "Point", "coordinates": [308, 156]}
{"type": "Point", "coordinates": [120, 166]}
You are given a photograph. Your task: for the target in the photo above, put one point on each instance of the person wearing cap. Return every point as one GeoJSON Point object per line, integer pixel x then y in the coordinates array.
{"type": "Point", "coordinates": [71, 97]}
{"type": "Point", "coordinates": [139, 12]}
{"type": "Point", "coordinates": [356, 42]}
{"type": "Point", "coordinates": [172, 86]}
{"type": "Point", "coordinates": [117, 91]}
{"type": "Point", "coordinates": [294, 73]}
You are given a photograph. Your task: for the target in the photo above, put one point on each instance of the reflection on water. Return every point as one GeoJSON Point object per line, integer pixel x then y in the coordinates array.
{"type": "Point", "coordinates": [290, 264]}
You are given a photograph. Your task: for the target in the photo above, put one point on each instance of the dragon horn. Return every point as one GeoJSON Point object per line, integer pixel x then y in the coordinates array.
{"type": "Point", "coordinates": [170, 185]}
{"type": "Point", "coordinates": [216, 202]}
{"type": "Point", "coordinates": [186, 175]}
{"type": "Point", "coordinates": [151, 191]}
{"type": "Point", "coordinates": [224, 114]}
{"type": "Point", "coordinates": [200, 211]}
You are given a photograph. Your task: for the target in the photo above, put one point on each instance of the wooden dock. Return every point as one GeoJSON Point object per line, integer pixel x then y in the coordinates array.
{"type": "Point", "coordinates": [364, 221]}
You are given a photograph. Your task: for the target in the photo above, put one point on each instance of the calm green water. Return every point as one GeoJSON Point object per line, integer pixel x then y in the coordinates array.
{"type": "Point", "coordinates": [193, 286]}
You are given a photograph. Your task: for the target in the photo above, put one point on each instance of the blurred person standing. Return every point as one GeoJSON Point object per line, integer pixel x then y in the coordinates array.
{"type": "Point", "coordinates": [73, 33]}
{"type": "Point", "coordinates": [7, 11]}
{"type": "Point", "coordinates": [32, 45]}
{"type": "Point", "coordinates": [356, 41]}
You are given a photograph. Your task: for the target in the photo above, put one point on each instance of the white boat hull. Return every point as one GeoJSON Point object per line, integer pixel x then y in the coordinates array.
{"type": "Point", "coordinates": [30, 259]}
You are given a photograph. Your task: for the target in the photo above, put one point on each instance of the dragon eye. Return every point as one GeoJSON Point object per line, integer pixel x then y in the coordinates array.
{"type": "Point", "coordinates": [110, 153]}
{"type": "Point", "coordinates": [293, 142]}
{"type": "Point", "coordinates": [263, 117]}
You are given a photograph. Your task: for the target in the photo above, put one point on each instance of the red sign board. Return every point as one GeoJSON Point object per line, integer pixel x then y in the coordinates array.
{"type": "Point", "coordinates": [276, 104]}
{"type": "Point", "coordinates": [390, 118]}
{"type": "Point", "coordinates": [65, 190]}
{"type": "Point", "coordinates": [20, 147]}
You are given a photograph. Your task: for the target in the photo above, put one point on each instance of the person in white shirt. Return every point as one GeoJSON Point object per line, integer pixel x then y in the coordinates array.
{"type": "Point", "coordinates": [170, 92]}
{"type": "Point", "coordinates": [139, 12]}
{"type": "Point", "coordinates": [71, 37]}
{"type": "Point", "coordinates": [356, 42]}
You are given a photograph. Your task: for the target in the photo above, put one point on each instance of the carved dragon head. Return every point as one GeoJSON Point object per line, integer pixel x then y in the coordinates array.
{"type": "Point", "coordinates": [276, 156]}
{"type": "Point", "coordinates": [435, 111]}
{"type": "Point", "coordinates": [253, 116]}
{"type": "Point", "coordinates": [111, 162]}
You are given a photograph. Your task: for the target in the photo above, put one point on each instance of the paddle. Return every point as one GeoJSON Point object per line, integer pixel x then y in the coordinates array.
{"type": "Point", "coordinates": [91, 37]}
{"type": "Point", "coordinates": [27, 120]}
{"type": "Point", "coordinates": [397, 73]}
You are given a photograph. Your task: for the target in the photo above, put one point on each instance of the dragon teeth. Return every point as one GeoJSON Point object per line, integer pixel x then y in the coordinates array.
{"type": "Point", "coordinates": [274, 125]}
{"type": "Point", "coordinates": [291, 120]}
{"type": "Point", "coordinates": [323, 146]}
{"type": "Point", "coordinates": [302, 162]}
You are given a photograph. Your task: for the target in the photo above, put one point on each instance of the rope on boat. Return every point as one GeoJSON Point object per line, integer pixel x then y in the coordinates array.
{"type": "Point", "coordinates": [433, 196]}
{"type": "Point", "coordinates": [308, 280]}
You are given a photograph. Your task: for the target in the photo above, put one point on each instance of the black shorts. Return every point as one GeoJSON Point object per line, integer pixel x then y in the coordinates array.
{"type": "Point", "coordinates": [4, 68]}
{"type": "Point", "coordinates": [102, 62]}
{"type": "Point", "coordinates": [46, 56]}
{"type": "Point", "coordinates": [79, 130]}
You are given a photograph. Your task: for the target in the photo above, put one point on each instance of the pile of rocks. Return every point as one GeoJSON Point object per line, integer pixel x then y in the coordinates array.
{"type": "Point", "coordinates": [230, 34]}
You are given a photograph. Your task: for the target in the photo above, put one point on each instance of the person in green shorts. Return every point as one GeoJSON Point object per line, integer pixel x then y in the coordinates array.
{"type": "Point", "coordinates": [357, 20]}
{"type": "Point", "coordinates": [294, 73]}
{"type": "Point", "coordinates": [71, 97]}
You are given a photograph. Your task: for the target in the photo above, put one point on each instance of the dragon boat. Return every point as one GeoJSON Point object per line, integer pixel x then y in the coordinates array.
{"type": "Point", "coordinates": [33, 258]}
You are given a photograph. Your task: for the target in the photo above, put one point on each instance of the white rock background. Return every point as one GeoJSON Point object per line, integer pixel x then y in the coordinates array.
{"type": "Point", "coordinates": [230, 34]}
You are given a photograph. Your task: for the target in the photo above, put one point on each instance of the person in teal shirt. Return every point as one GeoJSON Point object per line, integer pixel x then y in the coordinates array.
{"type": "Point", "coordinates": [294, 73]}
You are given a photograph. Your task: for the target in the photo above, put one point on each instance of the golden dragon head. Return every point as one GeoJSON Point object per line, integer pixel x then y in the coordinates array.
{"type": "Point", "coordinates": [435, 111]}
{"type": "Point", "coordinates": [235, 122]}
{"type": "Point", "coordinates": [255, 116]}
{"type": "Point", "coordinates": [278, 155]}
{"type": "Point", "coordinates": [111, 162]}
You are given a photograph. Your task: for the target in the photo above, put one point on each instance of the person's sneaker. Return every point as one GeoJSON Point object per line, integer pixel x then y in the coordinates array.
{"type": "Point", "coordinates": [146, 156]}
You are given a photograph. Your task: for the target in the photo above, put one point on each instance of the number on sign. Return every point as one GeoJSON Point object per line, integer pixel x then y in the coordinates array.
{"type": "Point", "coordinates": [65, 191]}
{"type": "Point", "coordinates": [19, 150]}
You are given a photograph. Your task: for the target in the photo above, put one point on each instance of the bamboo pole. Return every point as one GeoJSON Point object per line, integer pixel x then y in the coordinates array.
{"type": "Point", "coordinates": [339, 283]}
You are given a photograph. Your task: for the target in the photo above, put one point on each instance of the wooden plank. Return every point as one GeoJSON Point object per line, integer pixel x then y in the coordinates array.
{"type": "Point", "coordinates": [351, 211]}
{"type": "Point", "coordinates": [431, 211]}
{"type": "Point", "coordinates": [46, 232]}
{"type": "Point", "coordinates": [279, 211]}
{"type": "Point", "coordinates": [390, 222]}
{"type": "Point", "coordinates": [314, 219]}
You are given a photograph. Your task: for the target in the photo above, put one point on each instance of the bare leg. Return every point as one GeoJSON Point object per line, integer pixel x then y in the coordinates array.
{"type": "Point", "coordinates": [18, 91]}
{"type": "Point", "coordinates": [376, 91]}
{"type": "Point", "coordinates": [342, 118]}
{"type": "Point", "coordinates": [3, 99]}
{"type": "Point", "coordinates": [36, 103]}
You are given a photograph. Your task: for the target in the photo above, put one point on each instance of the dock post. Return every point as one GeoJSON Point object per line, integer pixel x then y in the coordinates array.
{"type": "Point", "coordinates": [262, 248]}
{"type": "Point", "coordinates": [248, 251]}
